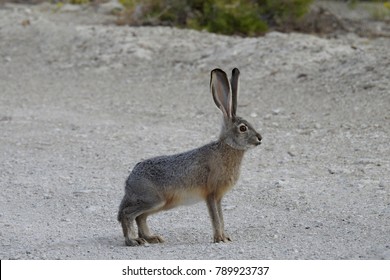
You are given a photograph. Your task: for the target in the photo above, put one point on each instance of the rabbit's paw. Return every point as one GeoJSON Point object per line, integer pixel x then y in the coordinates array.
{"type": "Point", "coordinates": [135, 241]}
{"type": "Point", "coordinates": [221, 238]}
{"type": "Point", "coordinates": [154, 239]}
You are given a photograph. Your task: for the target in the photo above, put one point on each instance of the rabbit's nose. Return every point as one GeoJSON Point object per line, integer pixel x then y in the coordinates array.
{"type": "Point", "coordinates": [259, 138]}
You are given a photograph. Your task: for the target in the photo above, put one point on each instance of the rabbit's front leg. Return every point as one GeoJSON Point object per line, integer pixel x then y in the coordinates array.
{"type": "Point", "coordinates": [219, 208]}
{"type": "Point", "coordinates": [215, 211]}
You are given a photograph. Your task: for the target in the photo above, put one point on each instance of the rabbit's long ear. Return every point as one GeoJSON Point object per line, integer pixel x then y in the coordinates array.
{"type": "Point", "coordinates": [220, 88]}
{"type": "Point", "coordinates": [234, 85]}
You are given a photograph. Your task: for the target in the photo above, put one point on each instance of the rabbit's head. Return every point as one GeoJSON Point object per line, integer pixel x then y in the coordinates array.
{"type": "Point", "coordinates": [236, 132]}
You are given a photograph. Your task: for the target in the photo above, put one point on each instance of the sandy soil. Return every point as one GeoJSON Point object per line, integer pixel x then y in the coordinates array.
{"type": "Point", "coordinates": [81, 102]}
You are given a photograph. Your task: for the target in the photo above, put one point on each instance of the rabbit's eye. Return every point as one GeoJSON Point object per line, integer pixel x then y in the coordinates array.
{"type": "Point", "coordinates": [243, 128]}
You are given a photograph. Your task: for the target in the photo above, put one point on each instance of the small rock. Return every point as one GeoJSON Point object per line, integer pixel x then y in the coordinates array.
{"type": "Point", "coordinates": [26, 22]}
{"type": "Point", "coordinates": [229, 207]}
{"type": "Point", "coordinates": [277, 111]}
{"type": "Point", "coordinates": [292, 151]}
{"type": "Point", "coordinates": [302, 76]}
{"type": "Point", "coordinates": [291, 154]}
{"type": "Point", "coordinates": [91, 209]}
{"type": "Point", "coordinates": [80, 192]}
{"type": "Point", "coordinates": [253, 115]}
{"type": "Point", "coordinates": [368, 86]}
{"type": "Point", "coordinates": [332, 170]}
{"type": "Point", "coordinates": [318, 224]}
{"type": "Point", "coordinates": [279, 184]}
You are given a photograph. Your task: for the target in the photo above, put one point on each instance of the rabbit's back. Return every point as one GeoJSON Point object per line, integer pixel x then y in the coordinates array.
{"type": "Point", "coordinates": [184, 170]}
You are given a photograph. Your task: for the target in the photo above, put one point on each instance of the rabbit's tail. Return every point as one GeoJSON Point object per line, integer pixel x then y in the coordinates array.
{"type": "Point", "coordinates": [121, 207]}
{"type": "Point", "coordinates": [120, 215]}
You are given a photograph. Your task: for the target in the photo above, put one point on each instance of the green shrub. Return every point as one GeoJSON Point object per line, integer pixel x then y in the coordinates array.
{"type": "Point", "coordinates": [73, 2]}
{"type": "Point", "coordinates": [79, 2]}
{"type": "Point", "coordinates": [229, 17]}
{"type": "Point", "coordinates": [241, 17]}
{"type": "Point", "coordinates": [153, 12]}
{"type": "Point", "coordinates": [282, 12]}
{"type": "Point", "coordinates": [379, 9]}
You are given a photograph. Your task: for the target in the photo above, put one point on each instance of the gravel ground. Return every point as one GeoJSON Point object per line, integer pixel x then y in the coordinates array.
{"type": "Point", "coordinates": [82, 101]}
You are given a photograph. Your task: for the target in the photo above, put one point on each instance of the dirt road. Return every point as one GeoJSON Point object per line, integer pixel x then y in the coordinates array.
{"type": "Point", "coordinates": [81, 102]}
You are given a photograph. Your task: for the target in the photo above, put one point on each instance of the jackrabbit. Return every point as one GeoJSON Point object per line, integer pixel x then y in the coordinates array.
{"type": "Point", "coordinates": [205, 173]}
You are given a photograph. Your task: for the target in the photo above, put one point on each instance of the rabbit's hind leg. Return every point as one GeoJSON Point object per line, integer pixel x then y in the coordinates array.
{"type": "Point", "coordinates": [144, 232]}
{"type": "Point", "coordinates": [127, 220]}
{"type": "Point", "coordinates": [138, 210]}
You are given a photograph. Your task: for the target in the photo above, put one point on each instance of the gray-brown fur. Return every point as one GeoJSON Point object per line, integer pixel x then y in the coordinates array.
{"type": "Point", "coordinates": [205, 173]}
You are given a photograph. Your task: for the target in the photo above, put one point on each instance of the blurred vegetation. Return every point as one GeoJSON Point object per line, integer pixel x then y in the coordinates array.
{"type": "Point", "coordinates": [240, 17]}
{"type": "Point", "coordinates": [79, 2]}
{"type": "Point", "coordinates": [381, 12]}
{"type": "Point", "coordinates": [379, 9]}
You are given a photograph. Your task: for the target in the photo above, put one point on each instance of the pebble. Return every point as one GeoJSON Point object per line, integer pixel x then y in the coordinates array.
{"type": "Point", "coordinates": [383, 184]}
{"type": "Point", "coordinates": [279, 184]}
{"type": "Point", "coordinates": [292, 151]}
{"type": "Point", "coordinates": [92, 209]}
{"type": "Point", "coordinates": [317, 126]}
{"type": "Point", "coordinates": [291, 154]}
{"type": "Point", "coordinates": [80, 192]}
{"type": "Point", "coordinates": [229, 207]}
{"type": "Point", "coordinates": [277, 111]}
{"type": "Point", "coordinates": [333, 170]}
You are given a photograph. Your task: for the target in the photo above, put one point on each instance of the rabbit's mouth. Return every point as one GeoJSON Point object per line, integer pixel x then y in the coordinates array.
{"type": "Point", "coordinates": [258, 139]}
